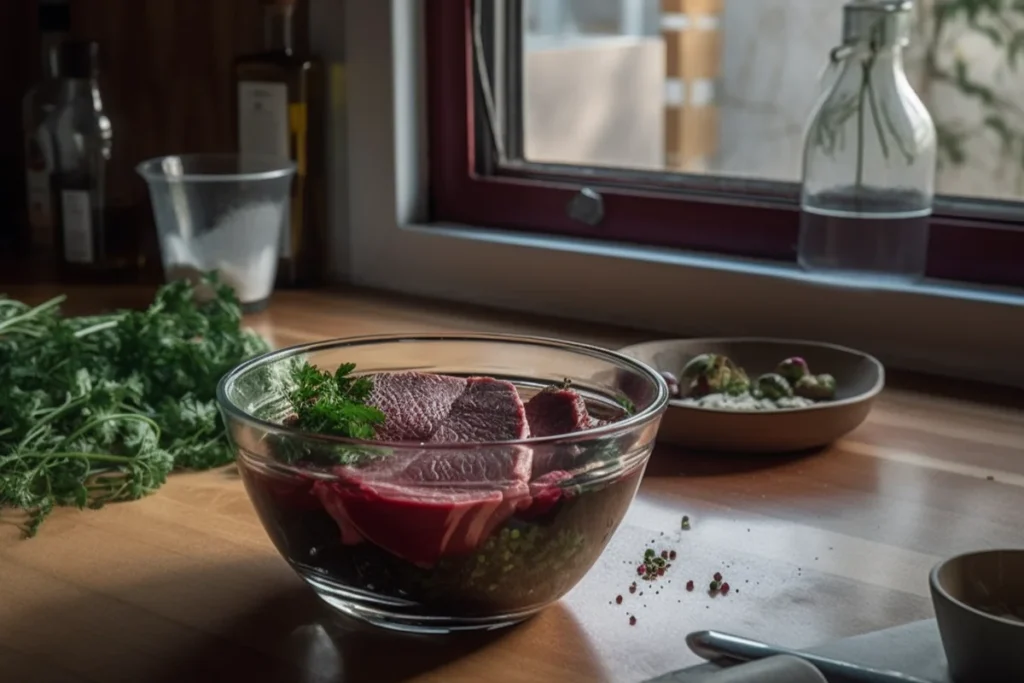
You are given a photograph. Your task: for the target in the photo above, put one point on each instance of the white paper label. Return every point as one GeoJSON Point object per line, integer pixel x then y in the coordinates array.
{"type": "Point", "coordinates": [263, 129]}
{"type": "Point", "coordinates": [263, 119]}
{"type": "Point", "coordinates": [76, 215]}
{"type": "Point", "coordinates": [39, 210]}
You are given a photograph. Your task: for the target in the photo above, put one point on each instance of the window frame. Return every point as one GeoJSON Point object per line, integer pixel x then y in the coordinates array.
{"type": "Point", "coordinates": [382, 238]}
{"type": "Point", "coordinates": [982, 245]}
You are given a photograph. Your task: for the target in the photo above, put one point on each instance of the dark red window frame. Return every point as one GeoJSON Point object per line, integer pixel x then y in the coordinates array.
{"type": "Point", "coordinates": [960, 249]}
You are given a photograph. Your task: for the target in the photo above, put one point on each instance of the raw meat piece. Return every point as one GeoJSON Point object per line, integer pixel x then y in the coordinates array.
{"type": "Point", "coordinates": [557, 411]}
{"type": "Point", "coordinates": [415, 403]}
{"type": "Point", "coordinates": [488, 410]}
{"type": "Point", "coordinates": [553, 412]}
{"type": "Point", "coordinates": [545, 492]}
{"type": "Point", "coordinates": [428, 505]}
{"type": "Point", "coordinates": [426, 408]}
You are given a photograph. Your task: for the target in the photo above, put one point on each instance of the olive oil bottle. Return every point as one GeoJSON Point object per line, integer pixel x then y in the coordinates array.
{"type": "Point", "coordinates": [280, 112]}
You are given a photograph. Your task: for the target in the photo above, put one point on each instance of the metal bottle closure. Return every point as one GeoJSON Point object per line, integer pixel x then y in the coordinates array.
{"type": "Point", "coordinates": [869, 26]}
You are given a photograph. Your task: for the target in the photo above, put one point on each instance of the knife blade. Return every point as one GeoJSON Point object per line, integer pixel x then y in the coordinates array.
{"type": "Point", "coordinates": [713, 645]}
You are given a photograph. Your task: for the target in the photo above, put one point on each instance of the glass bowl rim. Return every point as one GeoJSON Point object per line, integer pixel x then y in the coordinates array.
{"type": "Point", "coordinates": [657, 407]}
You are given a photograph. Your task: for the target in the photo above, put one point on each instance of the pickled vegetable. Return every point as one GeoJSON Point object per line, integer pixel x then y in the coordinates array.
{"type": "Point", "coordinates": [774, 386]}
{"type": "Point", "coordinates": [816, 387]}
{"type": "Point", "coordinates": [793, 369]}
{"type": "Point", "coordinates": [711, 373]}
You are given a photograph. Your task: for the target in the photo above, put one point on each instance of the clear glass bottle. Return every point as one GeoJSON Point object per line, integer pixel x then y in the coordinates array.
{"type": "Point", "coordinates": [869, 157]}
{"type": "Point", "coordinates": [280, 106]}
{"type": "Point", "coordinates": [37, 106]}
{"type": "Point", "coordinates": [95, 243]}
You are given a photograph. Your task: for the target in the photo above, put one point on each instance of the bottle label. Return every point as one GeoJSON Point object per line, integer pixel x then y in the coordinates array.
{"type": "Point", "coordinates": [263, 129]}
{"type": "Point", "coordinates": [76, 214]}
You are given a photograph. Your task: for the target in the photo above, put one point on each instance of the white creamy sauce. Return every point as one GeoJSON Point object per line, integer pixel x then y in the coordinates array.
{"type": "Point", "coordinates": [745, 402]}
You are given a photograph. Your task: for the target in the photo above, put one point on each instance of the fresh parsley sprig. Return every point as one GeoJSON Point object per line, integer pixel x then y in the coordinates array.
{"type": "Point", "coordinates": [334, 404]}
{"type": "Point", "coordinates": [102, 408]}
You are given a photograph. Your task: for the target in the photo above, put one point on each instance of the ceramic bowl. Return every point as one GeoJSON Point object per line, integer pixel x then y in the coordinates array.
{"type": "Point", "coordinates": [859, 378]}
{"type": "Point", "coordinates": [979, 604]}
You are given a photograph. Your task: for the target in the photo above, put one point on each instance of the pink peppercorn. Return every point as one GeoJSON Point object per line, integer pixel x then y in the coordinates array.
{"type": "Point", "coordinates": [689, 585]}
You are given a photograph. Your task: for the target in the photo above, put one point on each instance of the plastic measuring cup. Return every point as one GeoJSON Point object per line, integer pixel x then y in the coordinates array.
{"type": "Point", "coordinates": [224, 213]}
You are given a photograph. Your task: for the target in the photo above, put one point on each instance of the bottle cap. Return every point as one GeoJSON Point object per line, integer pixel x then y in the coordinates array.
{"type": "Point", "coordinates": [880, 22]}
{"type": "Point", "coordinates": [79, 59]}
{"type": "Point", "coordinates": [54, 16]}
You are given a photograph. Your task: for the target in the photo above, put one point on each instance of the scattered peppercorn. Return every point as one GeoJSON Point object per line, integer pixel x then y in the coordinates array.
{"type": "Point", "coordinates": [725, 588]}
{"type": "Point", "coordinates": [664, 554]}
{"type": "Point", "coordinates": [640, 570]}
{"type": "Point", "coordinates": [618, 599]}
{"type": "Point", "coordinates": [661, 571]}
{"type": "Point", "coordinates": [672, 555]}
{"type": "Point", "coordinates": [632, 588]}
{"type": "Point", "coordinates": [632, 621]}
{"type": "Point", "coordinates": [686, 523]}
{"type": "Point", "coordinates": [689, 585]}
{"type": "Point", "coordinates": [718, 576]}
{"type": "Point", "coordinates": [715, 585]}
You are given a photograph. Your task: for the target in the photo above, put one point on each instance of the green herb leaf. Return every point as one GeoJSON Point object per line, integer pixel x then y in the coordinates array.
{"type": "Point", "coordinates": [334, 404]}
{"type": "Point", "coordinates": [100, 409]}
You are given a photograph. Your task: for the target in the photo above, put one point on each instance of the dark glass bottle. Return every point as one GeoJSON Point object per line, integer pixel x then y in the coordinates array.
{"type": "Point", "coordinates": [97, 241]}
{"type": "Point", "coordinates": [279, 105]}
{"type": "Point", "coordinates": [38, 105]}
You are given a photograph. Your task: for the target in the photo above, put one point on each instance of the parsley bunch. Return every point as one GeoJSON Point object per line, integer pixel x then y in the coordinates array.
{"type": "Point", "coordinates": [102, 408]}
{"type": "Point", "coordinates": [334, 404]}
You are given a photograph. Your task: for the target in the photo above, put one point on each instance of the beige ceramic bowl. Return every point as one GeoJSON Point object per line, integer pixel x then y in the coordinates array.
{"type": "Point", "coordinates": [979, 604]}
{"type": "Point", "coordinates": [859, 379]}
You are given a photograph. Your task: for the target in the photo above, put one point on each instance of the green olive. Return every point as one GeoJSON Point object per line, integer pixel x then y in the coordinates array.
{"type": "Point", "coordinates": [773, 386]}
{"type": "Point", "coordinates": [793, 369]}
{"type": "Point", "coordinates": [699, 366]}
{"type": "Point", "coordinates": [817, 388]}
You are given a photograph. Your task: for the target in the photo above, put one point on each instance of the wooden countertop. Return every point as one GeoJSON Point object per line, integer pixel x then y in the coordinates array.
{"type": "Point", "coordinates": [185, 585]}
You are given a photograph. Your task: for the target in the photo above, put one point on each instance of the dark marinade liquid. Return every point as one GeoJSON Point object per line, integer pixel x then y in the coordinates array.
{"type": "Point", "coordinates": [524, 563]}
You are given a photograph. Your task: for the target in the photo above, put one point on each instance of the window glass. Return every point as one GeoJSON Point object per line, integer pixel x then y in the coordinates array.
{"type": "Point", "coordinates": [725, 87]}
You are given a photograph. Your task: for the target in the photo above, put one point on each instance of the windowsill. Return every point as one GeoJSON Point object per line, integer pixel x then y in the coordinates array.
{"type": "Point", "coordinates": [931, 288]}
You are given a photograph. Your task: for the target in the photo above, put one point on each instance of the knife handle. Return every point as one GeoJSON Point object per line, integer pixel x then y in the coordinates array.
{"type": "Point", "coordinates": [712, 645]}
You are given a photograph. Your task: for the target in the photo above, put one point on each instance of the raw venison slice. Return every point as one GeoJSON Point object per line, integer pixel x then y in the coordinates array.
{"type": "Point", "coordinates": [488, 410]}
{"type": "Point", "coordinates": [557, 411]}
{"type": "Point", "coordinates": [426, 408]}
{"type": "Point", "coordinates": [545, 492]}
{"type": "Point", "coordinates": [553, 412]}
{"type": "Point", "coordinates": [415, 404]}
{"type": "Point", "coordinates": [428, 505]}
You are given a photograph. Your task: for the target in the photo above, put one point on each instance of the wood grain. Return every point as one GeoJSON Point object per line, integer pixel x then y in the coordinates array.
{"type": "Point", "coordinates": [185, 586]}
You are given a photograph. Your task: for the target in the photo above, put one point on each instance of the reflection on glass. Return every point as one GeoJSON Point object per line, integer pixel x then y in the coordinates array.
{"type": "Point", "coordinates": [724, 87]}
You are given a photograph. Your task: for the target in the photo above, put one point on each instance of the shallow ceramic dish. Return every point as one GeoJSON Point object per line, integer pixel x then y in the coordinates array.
{"type": "Point", "coordinates": [859, 379]}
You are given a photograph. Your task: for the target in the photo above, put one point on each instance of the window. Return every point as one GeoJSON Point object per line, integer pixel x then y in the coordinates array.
{"type": "Point", "coordinates": [685, 117]}
{"type": "Point", "coordinates": [400, 147]}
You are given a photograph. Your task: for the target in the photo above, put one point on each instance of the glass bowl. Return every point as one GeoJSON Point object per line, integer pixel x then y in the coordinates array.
{"type": "Point", "coordinates": [445, 536]}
